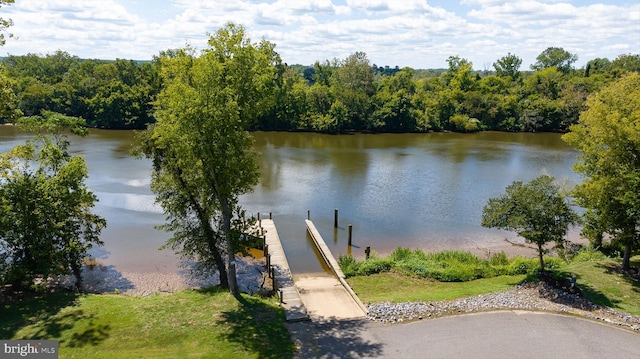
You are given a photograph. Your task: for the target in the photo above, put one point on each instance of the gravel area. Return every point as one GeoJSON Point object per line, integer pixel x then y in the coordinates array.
{"type": "Point", "coordinates": [528, 296]}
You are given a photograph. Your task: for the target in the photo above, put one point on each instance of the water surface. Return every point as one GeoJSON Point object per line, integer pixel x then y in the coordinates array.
{"type": "Point", "coordinates": [413, 190]}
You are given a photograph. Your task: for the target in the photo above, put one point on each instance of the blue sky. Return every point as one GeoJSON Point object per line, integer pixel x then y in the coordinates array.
{"type": "Point", "coordinates": [415, 33]}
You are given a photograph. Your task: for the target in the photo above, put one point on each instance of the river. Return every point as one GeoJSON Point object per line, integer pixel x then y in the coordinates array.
{"type": "Point", "coordinates": [412, 190]}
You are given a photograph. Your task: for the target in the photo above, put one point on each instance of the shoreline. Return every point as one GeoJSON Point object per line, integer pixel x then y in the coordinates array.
{"type": "Point", "coordinates": [101, 278]}
{"type": "Point", "coordinates": [105, 279]}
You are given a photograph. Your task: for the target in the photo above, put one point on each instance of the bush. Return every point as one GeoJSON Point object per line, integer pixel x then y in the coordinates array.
{"type": "Point", "coordinates": [499, 259]}
{"type": "Point", "coordinates": [446, 266]}
{"type": "Point", "coordinates": [454, 256]}
{"type": "Point", "coordinates": [349, 265]}
{"type": "Point", "coordinates": [401, 254]}
{"type": "Point", "coordinates": [587, 254]}
{"type": "Point", "coordinates": [375, 265]}
{"type": "Point", "coordinates": [520, 265]}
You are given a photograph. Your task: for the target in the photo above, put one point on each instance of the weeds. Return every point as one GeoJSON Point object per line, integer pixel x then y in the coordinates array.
{"type": "Point", "coordinates": [445, 266]}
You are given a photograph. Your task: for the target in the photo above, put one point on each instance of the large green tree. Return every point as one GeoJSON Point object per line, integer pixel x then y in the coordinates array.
{"type": "Point", "coordinates": [536, 211]}
{"type": "Point", "coordinates": [203, 157]}
{"type": "Point", "coordinates": [46, 223]}
{"type": "Point", "coordinates": [508, 66]}
{"type": "Point", "coordinates": [608, 135]}
{"type": "Point", "coordinates": [555, 57]}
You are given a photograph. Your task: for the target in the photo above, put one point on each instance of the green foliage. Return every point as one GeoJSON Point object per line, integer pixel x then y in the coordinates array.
{"type": "Point", "coordinates": [555, 57]}
{"type": "Point", "coordinates": [336, 96]}
{"type": "Point", "coordinates": [508, 66]}
{"type": "Point", "coordinates": [444, 266]}
{"type": "Point", "coordinates": [499, 259]}
{"type": "Point", "coordinates": [608, 137]}
{"type": "Point", "coordinates": [202, 154]}
{"type": "Point", "coordinates": [5, 23]}
{"type": "Point", "coordinates": [46, 223]}
{"type": "Point", "coordinates": [588, 253]}
{"type": "Point", "coordinates": [109, 94]}
{"type": "Point", "coordinates": [536, 211]}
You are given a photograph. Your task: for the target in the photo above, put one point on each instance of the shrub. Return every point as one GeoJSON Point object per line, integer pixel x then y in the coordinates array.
{"type": "Point", "coordinates": [349, 265]}
{"type": "Point", "coordinates": [454, 256]}
{"type": "Point", "coordinates": [375, 265]}
{"type": "Point", "coordinates": [588, 253]}
{"type": "Point", "coordinates": [520, 265]}
{"type": "Point", "coordinates": [499, 259]}
{"type": "Point", "coordinates": [446, 266]}
{"type": "Point", "coordinates": [401, 254]}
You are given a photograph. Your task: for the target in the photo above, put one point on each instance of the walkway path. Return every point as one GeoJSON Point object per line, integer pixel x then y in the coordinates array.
{"type": "Point", "coordinates": [294, 308]}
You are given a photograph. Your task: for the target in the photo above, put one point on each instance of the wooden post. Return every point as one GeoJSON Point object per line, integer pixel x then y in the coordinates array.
{"type": "Point", "coordinates": [280, 296]}
{"type": "Point", "coordinates": [335, 218]}
{"type": "Point", "coordinates": [272, 272]}
{"type": "Point", "coordinates": [308, 214]}
{"type": "Point", "coordinates": [264, 241]}
{"type": "Point", "coordinates": [258, 216]}
{"type": "Point", "coordinates": [266, 249]}
{"type": "Point", "coordinates": [268, 260]}
{"type": "Point", "coordinates": [367, 252]}
{"type": "Point", "coordinates": [274, 281]}
{"type": "Point", "coordinates": [270, 215]}
{"type": "Point", "coordinates": [350, 234]}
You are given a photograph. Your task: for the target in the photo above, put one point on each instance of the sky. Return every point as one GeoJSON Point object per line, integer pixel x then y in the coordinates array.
{"type": "Point", "coordinates": [417, 33]}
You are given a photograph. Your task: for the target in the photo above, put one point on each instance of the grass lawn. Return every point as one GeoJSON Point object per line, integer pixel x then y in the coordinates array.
{"type": "Point", "coordinates": [598, 279]}
{"type": "Point", "coordinates": [397, 287]}
{"type": "Point", "coordinates": [188, 324]}
{"type": "Point", "coordinates": [604, 285]}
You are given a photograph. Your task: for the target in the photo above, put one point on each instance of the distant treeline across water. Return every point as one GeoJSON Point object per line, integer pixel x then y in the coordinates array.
{"type": "Point", "coordinates": [332, 96]}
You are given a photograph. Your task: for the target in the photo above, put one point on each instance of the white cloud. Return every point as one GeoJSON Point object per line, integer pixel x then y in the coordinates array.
{"type": "Point", "coordinates": [414, 33]}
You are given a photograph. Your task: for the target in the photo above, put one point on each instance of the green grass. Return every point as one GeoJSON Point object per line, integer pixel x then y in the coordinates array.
{"type": "Point", "coordinates": [188, 324]}
{"type": "Point", "coordinates": [603, 284]}
{"type": "Point", "coordinates": [445, 266]}
{"type": "Point", "coordinates": [398, 287]}
{"type": "Point", "coordinates": [597, 276]}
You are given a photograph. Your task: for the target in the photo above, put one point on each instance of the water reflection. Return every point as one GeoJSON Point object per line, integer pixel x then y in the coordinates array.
{"type": "Point", "coordinates": [413, 190]}
{"type": "Point", "coordinates": [418, 190]}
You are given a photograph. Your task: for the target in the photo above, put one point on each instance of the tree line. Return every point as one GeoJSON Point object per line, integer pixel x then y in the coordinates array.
{"type": "Point", "coordinates": [332, 96]}
{"type": "Point", "coordinates": [201, 104]}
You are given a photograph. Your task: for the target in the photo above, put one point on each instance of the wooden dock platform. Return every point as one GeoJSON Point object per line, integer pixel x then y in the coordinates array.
{"type": "Point", "coordinates": [291, 302]}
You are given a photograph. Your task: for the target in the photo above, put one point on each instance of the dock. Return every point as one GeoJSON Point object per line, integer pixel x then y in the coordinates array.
{"type": "Point", "coordinates": [311, 296]}
{"type": "Point", "coordinates": [295, 309]}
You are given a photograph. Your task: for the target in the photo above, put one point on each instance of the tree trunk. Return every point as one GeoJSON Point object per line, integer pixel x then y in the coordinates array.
{"type": "Point", "coordinates": [231, 260]}
{"type": "Point", "coordinates": [540, 251]}
{"type": "Point", "coordinates": [626, 265]}
{"type": "Point", "coordinates": [77, 272]}
{"type": "Point", "coordinates": [222, 269]}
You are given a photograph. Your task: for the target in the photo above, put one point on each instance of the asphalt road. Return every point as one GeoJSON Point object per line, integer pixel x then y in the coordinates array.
{"type": "Point", "coordinates": [505, 334]}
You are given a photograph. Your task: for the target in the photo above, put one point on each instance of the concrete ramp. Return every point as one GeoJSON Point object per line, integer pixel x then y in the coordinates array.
{"type": "Point", "coordinates": [325, 298]}
{"type": "Point", "coordinates": [328, 295]}
{"type": "Point", "coordinates": [317, 296]}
